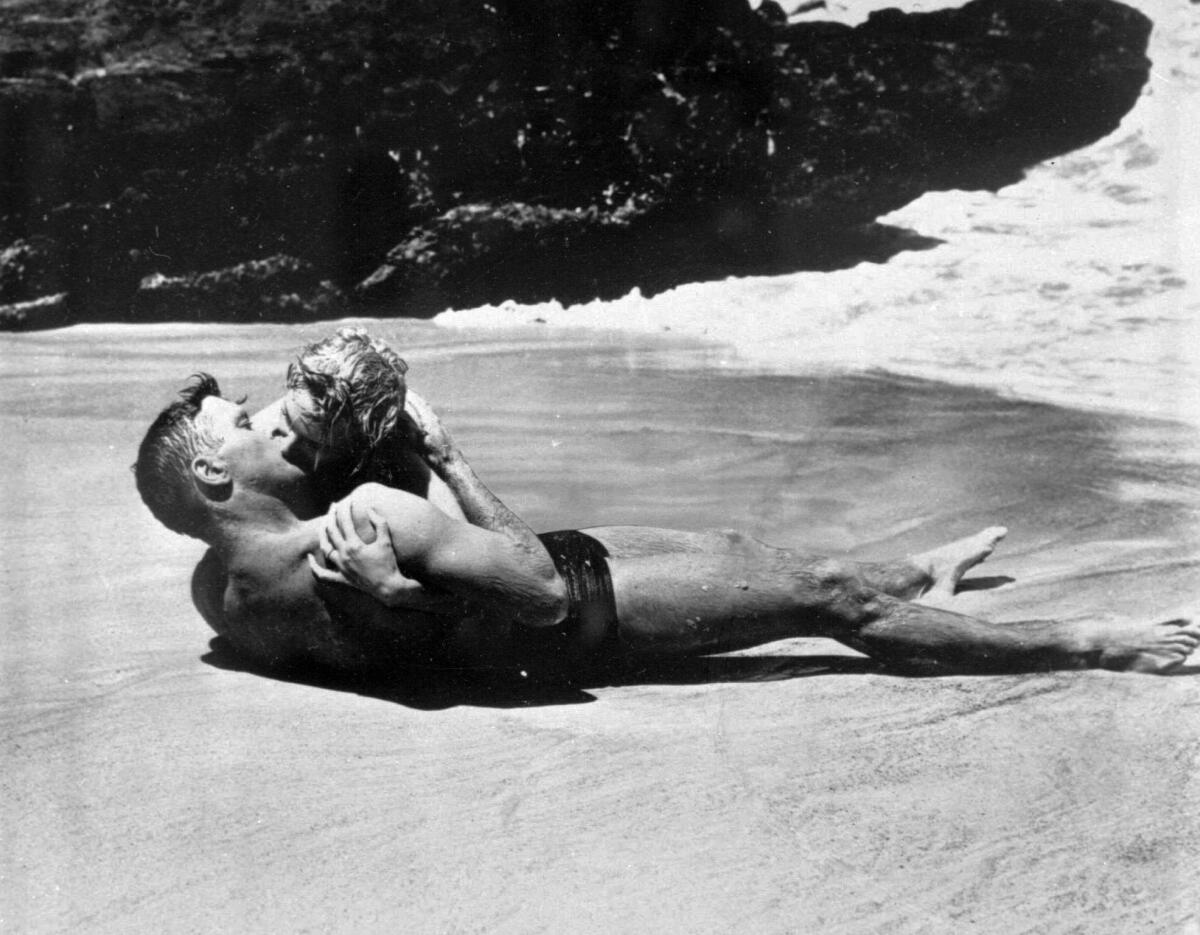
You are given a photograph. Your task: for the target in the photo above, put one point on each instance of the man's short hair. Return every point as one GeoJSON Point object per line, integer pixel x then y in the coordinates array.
{"type": "Point", "coordinates": [164, 463]}
{"type": "Point", "coordinates": [358, 384]}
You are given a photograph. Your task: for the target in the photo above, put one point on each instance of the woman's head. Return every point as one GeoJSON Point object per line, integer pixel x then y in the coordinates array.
{"type": "Point", "coordinates": [345, 398]}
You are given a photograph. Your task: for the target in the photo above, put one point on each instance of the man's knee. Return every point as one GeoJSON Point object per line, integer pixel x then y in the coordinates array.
{"type": "Point", "coordinates": [837, 586]}
{"type": "Point", "coordinates": [834, 574]}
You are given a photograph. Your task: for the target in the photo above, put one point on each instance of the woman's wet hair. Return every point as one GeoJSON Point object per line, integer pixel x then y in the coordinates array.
{"type": "Point", "coordinates": [357, 384]}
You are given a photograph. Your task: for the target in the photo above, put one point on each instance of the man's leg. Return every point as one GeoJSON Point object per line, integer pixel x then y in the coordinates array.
{"type": "Point", "coordinates": [694, 593]}
{"type": "Point", "coordinates": [931, 575]}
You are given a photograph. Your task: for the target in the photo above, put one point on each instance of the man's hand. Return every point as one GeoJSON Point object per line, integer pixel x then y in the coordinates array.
{"type": "Point", "coordinates": [359, 554]}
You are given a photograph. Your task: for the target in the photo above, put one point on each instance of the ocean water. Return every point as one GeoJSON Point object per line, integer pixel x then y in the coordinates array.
{"type": "Point", "coordinates": [1077, 285]}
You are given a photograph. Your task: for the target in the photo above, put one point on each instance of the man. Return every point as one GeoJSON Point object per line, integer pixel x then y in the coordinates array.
{"type": "Point", "coordinates": [492, 600]}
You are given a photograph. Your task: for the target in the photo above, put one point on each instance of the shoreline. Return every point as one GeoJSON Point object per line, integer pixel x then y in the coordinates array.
{"type": "Point", "coordinates": [682, 349]}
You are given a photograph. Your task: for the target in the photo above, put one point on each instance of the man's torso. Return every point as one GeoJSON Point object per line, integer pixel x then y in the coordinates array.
{"type": "Point", "coordinates": [272, 609]}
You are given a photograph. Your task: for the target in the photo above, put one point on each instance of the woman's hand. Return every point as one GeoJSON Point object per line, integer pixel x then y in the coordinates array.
{"type": "Point", "coordinates": [358, 553]}
{"type": "Point", "coordinates": [435, 442]}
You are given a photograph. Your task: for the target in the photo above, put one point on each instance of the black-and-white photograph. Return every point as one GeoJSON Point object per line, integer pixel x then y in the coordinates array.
{"type": "Point", "coordinates": [617, 466]}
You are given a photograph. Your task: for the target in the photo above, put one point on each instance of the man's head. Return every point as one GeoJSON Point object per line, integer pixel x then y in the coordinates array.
{"type": "Point", "coordinates": [195, 453]}
{"type": "Point", "coordinates": [345, 398]}
{"type": "Point", "coordinates": [164, 464]}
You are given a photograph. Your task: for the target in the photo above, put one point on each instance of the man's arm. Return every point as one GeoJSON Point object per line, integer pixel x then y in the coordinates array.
{"type": "Point", "coordinates": [485, 568]}
{"type": "Point", "coordinates": [481, 507]}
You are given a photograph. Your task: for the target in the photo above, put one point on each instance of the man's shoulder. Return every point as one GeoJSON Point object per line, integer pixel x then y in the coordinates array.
{"type": "Point", "coordinates": [272, 611]}
{"type": "Point", "coordinates": [223, 595]}
{"type": "Point", "coordinates": [374, 494]}
{"type": "Point", "coordinates": [391, 503]}
{"type": "Point", "coordinates": [209, 583]}
{"type": "Point", "coordinates": [269, 574]}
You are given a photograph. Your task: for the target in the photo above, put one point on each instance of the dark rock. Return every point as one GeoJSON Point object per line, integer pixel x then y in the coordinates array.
{"type": "Point", "coordinates": [495, 243]}
{"type": "Point", "coordinates": [468, 151]}
{"type": "Point", "coordinates": [50, 311]}
{"type": "Point", "coordinates": [277, 288]}
{"type": "Point", "coordinates": [30, 268]}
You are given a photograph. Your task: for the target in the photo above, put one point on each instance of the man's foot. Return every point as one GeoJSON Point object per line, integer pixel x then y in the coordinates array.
{"type": "Point", "coordinates": [946, 565]}
{"type": "Point", "coordinates": [1156, 648]}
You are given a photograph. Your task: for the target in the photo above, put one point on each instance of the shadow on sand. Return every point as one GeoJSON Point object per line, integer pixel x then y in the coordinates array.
{"type": "Point", "coordinates": [437, 688]}
{"type": "Point", "coordinates": [429, 688]}
{"type": "Point", "coordinates": [984, 583]}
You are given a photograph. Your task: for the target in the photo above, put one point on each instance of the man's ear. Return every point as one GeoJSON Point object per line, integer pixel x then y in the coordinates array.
{"type": "Point", "coordinates": [211, 475]}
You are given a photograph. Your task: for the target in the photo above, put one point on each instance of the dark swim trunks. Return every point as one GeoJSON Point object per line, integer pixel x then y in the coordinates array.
{"type": "Point", "coordinates": [587, 637]}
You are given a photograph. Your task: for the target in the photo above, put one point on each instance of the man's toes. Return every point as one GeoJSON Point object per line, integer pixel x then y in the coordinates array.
{"type": "Point", "coordinates": [1182, 626]}
{"type": "Point", "coordinates": [985, 543]}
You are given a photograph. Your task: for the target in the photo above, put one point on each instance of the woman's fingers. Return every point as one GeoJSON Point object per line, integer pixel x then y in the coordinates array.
{"type": "Point", "coordinates": [326, 574]}
{"type": "Point", "coordinates": [380, 524]}
{"type": "Point", "coordinates": [326, 544]}
{"type": "Point", "coordinates": [344, 515]}
{"type": "Point", "coordinates": [344, 536]}
{"type": "Point", "coordinates": [331, 530]}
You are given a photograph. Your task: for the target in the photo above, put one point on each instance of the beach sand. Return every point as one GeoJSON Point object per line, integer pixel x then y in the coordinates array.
{"type": "Point", "coordinates": [150, 784]}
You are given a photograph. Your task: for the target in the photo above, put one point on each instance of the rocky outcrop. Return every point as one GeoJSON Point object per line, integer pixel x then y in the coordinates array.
{"type": "Point", "coordinates": [50, 311]}
{"type": "Point", "coordinates": [244, 161]}
{"type": "Point", "coordinates": [278, 288]}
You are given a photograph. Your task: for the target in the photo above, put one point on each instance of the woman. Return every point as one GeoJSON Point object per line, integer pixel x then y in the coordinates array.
{"type": "Point", "coordinates": [351, 419]}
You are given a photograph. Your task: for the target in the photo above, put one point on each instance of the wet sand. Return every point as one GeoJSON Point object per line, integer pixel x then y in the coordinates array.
{"type": "Point", "coordinates": [150, 784]}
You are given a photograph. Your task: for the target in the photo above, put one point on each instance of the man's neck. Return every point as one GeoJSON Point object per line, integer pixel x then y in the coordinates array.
{"type": "Point", "coordinates": [241, 523]}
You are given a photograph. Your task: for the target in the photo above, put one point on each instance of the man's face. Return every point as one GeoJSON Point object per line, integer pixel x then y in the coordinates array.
{"type": "Point", "coordinates": [299, 423]}
{"type": "Point", "coordinates": [254, 457]}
